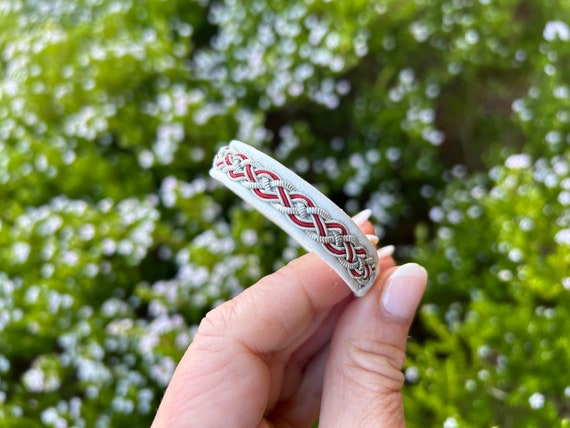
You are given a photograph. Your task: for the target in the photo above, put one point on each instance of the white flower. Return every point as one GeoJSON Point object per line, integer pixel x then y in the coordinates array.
{"type": "Point", "coordinates": [518, 161]}
{"type": "Point", "coordinates": [450, 423]}
{"type": "Point", "coordinates": [556, 30]}
{"type": "Point", "coordinates": [536, 400]}
{"type": "Point", "coordinates": [563, 237]}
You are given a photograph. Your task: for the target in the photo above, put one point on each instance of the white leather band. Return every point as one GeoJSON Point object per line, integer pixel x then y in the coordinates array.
{"type": "Point", "coordinates": [317, 223]}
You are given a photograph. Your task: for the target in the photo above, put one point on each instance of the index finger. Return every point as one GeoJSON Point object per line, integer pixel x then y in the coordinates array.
{"type": "Point", "coordinates": [278, 309]}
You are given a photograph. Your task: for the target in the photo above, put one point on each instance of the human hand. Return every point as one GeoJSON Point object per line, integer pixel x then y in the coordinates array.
{"type": "Point", "coordinates": [297, 346]}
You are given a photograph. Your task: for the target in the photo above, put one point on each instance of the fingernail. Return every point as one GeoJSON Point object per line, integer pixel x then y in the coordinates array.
{"type": "Point", "coordinates": [404, 290]}
{"type": "Point", "coordinates": [373, 239]}
{"type": "Point", "coordinates": [362, 216]}
{"type": "Point", "coordinates": [386, 251]}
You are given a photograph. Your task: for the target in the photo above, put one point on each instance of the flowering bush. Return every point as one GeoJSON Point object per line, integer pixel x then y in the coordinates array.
{"type": "Point", "coordinates": [449, 119]}
{"type": "Point", "coordinates": [499, 301]}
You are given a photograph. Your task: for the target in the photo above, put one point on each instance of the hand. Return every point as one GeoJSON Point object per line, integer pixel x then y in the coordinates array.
{"type": "Point", "coordinates": [297, 346]}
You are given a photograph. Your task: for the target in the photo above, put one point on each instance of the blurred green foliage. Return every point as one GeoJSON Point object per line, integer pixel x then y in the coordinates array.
{"type": "Point", "coordinates": [450, 119]}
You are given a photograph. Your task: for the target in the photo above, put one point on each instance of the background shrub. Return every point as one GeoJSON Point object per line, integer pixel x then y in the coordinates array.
{"type": "Point", "coordinates": [449, 119]}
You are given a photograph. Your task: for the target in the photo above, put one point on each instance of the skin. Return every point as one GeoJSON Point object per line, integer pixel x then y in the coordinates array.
{"type": "Point", "coordinates": [291, 349]}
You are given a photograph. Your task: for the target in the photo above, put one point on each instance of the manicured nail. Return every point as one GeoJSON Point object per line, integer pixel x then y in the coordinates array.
{"type": "Point", "coordinates": [373, 239]}
{"type": "Point", "coordinates": [386, 251]}
{"type": "Point", "coordinates": [404, 290]}
{"type": "Point", "coordinates": [362, 216]}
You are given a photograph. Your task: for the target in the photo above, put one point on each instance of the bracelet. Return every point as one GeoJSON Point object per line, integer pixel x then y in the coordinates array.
{"type": "Point", "coordinates": [316, 222]}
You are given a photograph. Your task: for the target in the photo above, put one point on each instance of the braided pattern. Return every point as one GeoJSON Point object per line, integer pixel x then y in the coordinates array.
{"type": "Point", "coordinates": [300, 209]}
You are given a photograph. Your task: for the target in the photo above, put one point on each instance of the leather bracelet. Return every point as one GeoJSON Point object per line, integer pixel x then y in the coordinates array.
{"type": "Point", "coordinates": [316, 222]}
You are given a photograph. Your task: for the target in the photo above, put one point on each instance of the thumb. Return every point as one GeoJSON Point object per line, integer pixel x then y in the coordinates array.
{"type": "Point", "coordinates": [363, 377]}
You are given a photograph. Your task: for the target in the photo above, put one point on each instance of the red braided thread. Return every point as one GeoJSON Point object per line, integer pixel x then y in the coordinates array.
{"type": "Point", "coordinates": [300, 210]}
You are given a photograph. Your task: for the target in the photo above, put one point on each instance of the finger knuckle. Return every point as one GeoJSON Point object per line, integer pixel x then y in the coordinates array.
{"type": "Point", "coordinates": [380, 365]}
{"type": "Point", "coordinates": [217, 322]}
